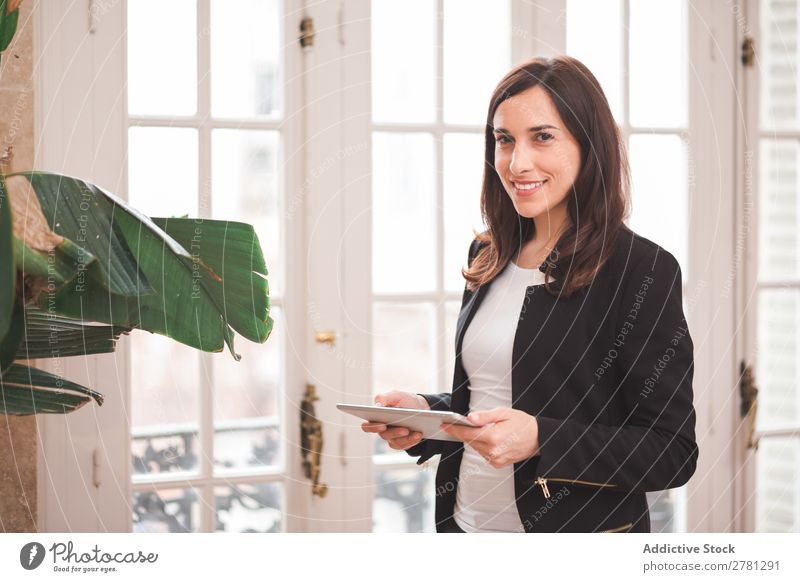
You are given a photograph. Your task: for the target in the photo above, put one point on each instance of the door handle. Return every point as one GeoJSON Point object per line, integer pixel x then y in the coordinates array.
{"type": "Point", "coordinates": [311, 441]}
{"type": "Point", "coordinates": [326, 336]}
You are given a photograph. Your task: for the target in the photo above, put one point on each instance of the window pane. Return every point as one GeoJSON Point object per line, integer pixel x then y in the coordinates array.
{"type": "Point", "coordinates": [778, 66]}
{"type": "Point", "coordinates": [604, 59]}
{"type": "Point", "coordinates": [162, 170]}
{"type": "Point", "coordinates": [245, 56]}
{"type": "Point", "coordinates": [246, 405]}
{"type": "Point", "coordinates": [463, 178]}
{"type": "Point", "coordinates": [658, 64]}
{"type": "Point", "coordinates": [778, 240]}
{"type": "Point", "coordinates": [165, 376]}
{"type": "Point", "coordinates": [403, 60]}
{"type": "Point", "coordinates": [473, 69]}
{"type": "Point", "coordinates": [249, 508]}
{"type": "Point", "coordinates": [402, 334]}
{"type": "Point", "coordinates": [403, 213]}
{"type": "Point", "coordinates": [245, 187]}
{"type": "Point", "coordinates": [777, 485]}
{"type": "Point", "coordinates": [162, 57]}
{"type": "Point", "coordinates": [778, 357]}
{"type": "Point", "coordinates": [166, 511]}
{"type": "Point", "coordinates": [660, 198]}
{"type": "Point", "coordinates": [403, 501]}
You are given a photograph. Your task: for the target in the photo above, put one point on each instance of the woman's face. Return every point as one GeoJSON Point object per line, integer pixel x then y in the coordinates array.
{"type": "Point", "coordinates": [535, 155]}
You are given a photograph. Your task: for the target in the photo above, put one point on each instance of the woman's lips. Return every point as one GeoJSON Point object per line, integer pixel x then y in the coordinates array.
{"type": "Point", "coordinates": [529, 192]}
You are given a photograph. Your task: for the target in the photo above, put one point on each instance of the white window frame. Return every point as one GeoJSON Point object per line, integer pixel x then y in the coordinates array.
{"type": "Point", "coordinates": [340, 61]}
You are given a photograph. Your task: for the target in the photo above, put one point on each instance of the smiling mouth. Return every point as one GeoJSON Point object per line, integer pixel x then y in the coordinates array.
{"type": "Point", "coordinates": [527, 188]}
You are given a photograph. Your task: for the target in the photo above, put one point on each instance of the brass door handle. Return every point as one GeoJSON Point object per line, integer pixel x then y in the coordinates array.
{"type": "Point", "coordinates": [748, 392]}
{"type": "Point", "coordinates": [326, 336]}
{"type": "Point", "coordinates": [311, 441]}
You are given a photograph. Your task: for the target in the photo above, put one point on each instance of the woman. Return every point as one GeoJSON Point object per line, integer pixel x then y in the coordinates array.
{"type": "Point", "coordinates": [572, 350]}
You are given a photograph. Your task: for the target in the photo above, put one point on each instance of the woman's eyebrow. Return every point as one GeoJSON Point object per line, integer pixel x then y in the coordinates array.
{"type": "Point", "coordinates": [535, 128]}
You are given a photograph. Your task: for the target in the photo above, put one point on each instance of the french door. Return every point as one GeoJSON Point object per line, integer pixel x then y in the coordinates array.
{"type": "Point", "coordinates": [771, 309]}
{"type": "Point", "coordinates": [358, 155]}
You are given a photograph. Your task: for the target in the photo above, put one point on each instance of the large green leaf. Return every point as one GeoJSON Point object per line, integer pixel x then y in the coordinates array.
{"type": "Point", "coordinates": [7, 267]}
{"type": "Point", "coordinates": [84, 213]}
{"type": "Point", "coordinates": [25, 390]}
{"type": "Point", "coordinates": [50, 336]}
{"type": "Point", "coordinates": [8, 25]}
{"type": "Point", "coordinates": [177, 310]}
{"type": "Point", "coordinates": [236, 274]}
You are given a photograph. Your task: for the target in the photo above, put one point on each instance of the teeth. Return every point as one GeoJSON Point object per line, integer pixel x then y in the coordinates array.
{"type": "Point", "coordinates": [530, 186]}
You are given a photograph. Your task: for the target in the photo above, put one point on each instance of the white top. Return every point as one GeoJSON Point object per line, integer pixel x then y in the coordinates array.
{"type": "Point", "coordinates": [485, 499]}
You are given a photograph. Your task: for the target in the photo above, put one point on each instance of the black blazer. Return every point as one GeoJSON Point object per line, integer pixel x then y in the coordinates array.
{"type": "Point", "coordinates": [608, 374]}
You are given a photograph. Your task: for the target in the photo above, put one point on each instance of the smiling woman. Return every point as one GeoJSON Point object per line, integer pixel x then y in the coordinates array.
{"type": "Point", "coordinates": [559, 447]}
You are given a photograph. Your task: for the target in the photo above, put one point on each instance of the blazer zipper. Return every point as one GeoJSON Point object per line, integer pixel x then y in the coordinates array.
{"type": "Point", "coordinates": [542, 482]}
{"type": "Point", "coordinates": [618, 529]}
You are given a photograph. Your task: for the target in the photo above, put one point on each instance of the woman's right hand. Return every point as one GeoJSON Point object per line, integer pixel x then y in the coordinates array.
{"type": "Point", "coordinates": [398, 437]}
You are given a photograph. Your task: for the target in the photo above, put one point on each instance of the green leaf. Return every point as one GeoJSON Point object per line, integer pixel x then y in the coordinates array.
{"type": "Point", "coordinates": [85, 214]}
{"type": "Point", "coordinates": [8, 26]}
{"type": "Point", "coordinates": [7, 267]}
{"type": "Point", "coordinates": [66, 261]}
{"type": "Point", "coordinates": [235, 273]}
{"type": "Point", "coordinates": [50, 336]}
{"type": "Point", "coordinates": [170, 311]}
{"type": "Point", "coordinates": [9, 344]}
{"type": "Point", "coordinates": [25, 390]}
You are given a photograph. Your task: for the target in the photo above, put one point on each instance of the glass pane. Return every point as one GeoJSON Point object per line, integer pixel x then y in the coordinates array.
{"type": "Point", "coordinates": [662, 511]}
{"type": "Point", "coordinates": [777, 485]}
{"type": "Point", "coordinates": [403, 501]}
{"type": "Point", "coordinates": [249, 508]}
{"type": "Point", "coordinates": [162, 57]}
{"type": "Point", "coordinates": [165, 376]}
{"type": "Point", "coordinates": [473, 69]}
{"type": "Point", "coordinates": [166, 511]}
{"type": "Point", "coordinates": [245, 185]}
{"type": "Point", "coordinates": [604, 59]}
{"type": "Point", "coordinates": [778, 210]}
{"type": "Point", "coordinates": [245, 58]}
{"type": "Point", "coordinates": [162, 170]}
{"type": "Point", "coordinates": [463, 179]}
{"type": "Point", "coordinates": [402, 333]}
{"type": "Point", "coordinates": [778, 357]}
{"type": "Point", "coordinates": [246, 405]}
{"type": "Point", "coordinates": [658, 76]}
{"type": "Point", "coordinates": [403, 198]}
{"type": "Point", "coordinates": [778, 65]}
{"type": "Point", "coordinates": [403, 79]}
{"type": "Point", "coordinates": [660, 198]}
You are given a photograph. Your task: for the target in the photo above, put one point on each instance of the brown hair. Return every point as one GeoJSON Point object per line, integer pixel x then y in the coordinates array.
{"type": "Point", "coordinates": [599, 202]}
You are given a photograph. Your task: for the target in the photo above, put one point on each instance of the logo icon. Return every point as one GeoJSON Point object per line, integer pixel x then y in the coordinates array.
{"type": "Point", "coordinates": [31, 555]}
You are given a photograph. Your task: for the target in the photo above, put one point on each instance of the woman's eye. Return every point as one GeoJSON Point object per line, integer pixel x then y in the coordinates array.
{"type": "Point", "coordinates": [545, 135]}
{"type": "Point", "coordinates": [502, 139]}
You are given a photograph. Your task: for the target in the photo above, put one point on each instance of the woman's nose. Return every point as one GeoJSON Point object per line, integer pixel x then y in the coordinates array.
{"type": "Point", "coordinates": [521, 161]}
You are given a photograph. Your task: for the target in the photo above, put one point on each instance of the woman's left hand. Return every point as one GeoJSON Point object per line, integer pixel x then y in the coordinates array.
{"type": "Point", "coordinates": [506, 435]}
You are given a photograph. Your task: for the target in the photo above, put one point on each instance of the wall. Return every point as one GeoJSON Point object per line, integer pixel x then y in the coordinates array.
{"type": "Point", "coordinates": [18, 436]}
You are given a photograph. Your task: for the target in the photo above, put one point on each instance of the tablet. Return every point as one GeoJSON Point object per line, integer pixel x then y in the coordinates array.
{"type": "Point", "coordinates": [425, 421]}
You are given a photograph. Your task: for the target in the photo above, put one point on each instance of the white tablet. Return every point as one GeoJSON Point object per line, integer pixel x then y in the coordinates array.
{"type": "Point", "coordinates": [425, 421]}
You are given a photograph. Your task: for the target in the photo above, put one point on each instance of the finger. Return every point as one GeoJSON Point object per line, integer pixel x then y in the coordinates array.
{"type": "Point", "coordinates": [464, 433]}
{"type": "Point", "coordinates": [402, 443]}
{"type": "Point", "coordinates": [387, 398]}
{"type": "Point", "coordinates": [395, 432]}
{"type": "Point", "coordinates": [373, 427]}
